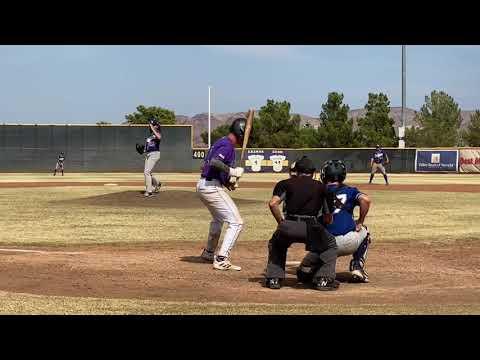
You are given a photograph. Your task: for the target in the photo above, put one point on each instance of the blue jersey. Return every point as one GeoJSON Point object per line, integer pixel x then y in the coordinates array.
{"type": "Point", "coordinates": [224, 151]}
{"type": "Point", "coordinates": [379, 156]}
{"type": "Point", "coordinates": [345, 202]}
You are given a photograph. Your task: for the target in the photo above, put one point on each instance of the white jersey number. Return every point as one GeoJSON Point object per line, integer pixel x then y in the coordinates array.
{"type": "Point", "coordinates": [340, 203]}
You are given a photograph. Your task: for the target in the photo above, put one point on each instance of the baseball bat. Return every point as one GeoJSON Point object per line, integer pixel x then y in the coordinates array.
{"type": "Point", "coordinates": [248, 129]}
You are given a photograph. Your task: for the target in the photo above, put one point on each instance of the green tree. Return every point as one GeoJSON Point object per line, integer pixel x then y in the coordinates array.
{"type": "Point", "coordinates": [336, 129]}
{"type": "Point", "coordinates": [438, 122]}
{"type": "Point", "coordinates": [275, 127]}
{"type": "Point", "coordinates": [217, 133]}
{"type": "Point", "coordinates": [307, 138]}
{"type": "Point", "coordinates": [412, 136]}
{"type": "Point", "coordinates": [376, 127]}
{"type": "Point", "coordinates": [472, 134]}
{"type": "Point", "coordinates": [142, 114]}
{"type": "Point", "coordinates": [100, 123]}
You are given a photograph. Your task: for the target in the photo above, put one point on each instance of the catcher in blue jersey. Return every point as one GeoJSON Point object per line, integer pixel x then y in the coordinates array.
{"type": "Point", "coordinates": [352, 236]}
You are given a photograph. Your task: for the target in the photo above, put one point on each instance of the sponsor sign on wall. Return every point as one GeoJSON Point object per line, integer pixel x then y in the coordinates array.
{"type": "Point", "coordinates": [266, 161]}
{"type": "Point", "coordinates": [469, 161]}
{"type": "Point", "coordinates": [436, 161]}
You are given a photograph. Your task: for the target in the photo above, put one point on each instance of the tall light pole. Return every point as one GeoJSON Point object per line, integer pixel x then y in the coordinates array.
{"type": "Point", "coordinates": [209, 119]}
{"type": "Point", "coordinates": [401, 130]}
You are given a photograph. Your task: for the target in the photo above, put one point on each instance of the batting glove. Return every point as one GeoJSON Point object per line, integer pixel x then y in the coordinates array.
{"type": "Point", "coordinates": [236, 172]}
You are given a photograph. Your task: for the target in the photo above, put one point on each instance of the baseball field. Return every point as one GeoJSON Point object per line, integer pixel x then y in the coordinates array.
{"type": "Point", "coordinates": [92, 244]}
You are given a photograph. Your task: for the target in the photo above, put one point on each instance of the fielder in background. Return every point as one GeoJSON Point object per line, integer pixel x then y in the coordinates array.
{"type": "Point", "coordinates": [218, 173]}
{"type": "Point", "coordinates": [60, 165]}
{"type": "Point", "coordinates": [377, 161]}
{"type": "Point", "coordinates": [306, 200]}
{"type": "Point", "coordinates": [152, 155]}
{"type": "Point", "coordinates": [351, 236]}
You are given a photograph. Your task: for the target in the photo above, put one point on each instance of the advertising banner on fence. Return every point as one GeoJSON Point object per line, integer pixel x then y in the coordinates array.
{"type": "Point", "coordinates": [266, 161]}
{"type": "Point", "coordinates": [469, 161]}
{"type": "Point", "coordinates": [436, 161]}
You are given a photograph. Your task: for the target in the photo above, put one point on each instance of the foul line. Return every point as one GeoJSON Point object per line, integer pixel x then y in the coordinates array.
{"type": "Point", "coordinates": [41, 251]}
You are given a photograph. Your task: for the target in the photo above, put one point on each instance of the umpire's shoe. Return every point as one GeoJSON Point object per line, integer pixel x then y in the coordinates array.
{"type": "Point", "coordinates": [325, 284]}
{"type": "Point", "coordinates": [272, 283]}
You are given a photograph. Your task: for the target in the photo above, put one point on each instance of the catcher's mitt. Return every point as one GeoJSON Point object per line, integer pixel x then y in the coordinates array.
{"type": "Point", "coordinates": [140, 148]}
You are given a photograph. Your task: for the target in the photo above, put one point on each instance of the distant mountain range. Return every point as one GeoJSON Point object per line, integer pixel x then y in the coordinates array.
{"type": "Point", "coordinates": [200, 121]}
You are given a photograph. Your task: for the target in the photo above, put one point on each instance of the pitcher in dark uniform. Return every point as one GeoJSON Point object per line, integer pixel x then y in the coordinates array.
{"type": "Point", "coordinates": [306, 199]}
{"type": "Point", "coordinates": [59, 166]}
{"type": "Point", "coordinates": [152, 155]}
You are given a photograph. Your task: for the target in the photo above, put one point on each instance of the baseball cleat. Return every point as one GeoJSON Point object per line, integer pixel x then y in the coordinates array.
{"type": "Point", "coordinates": [157, 188]}
{"type": "Point", "coordinates": [224, 264]}
{"type": "Point", "coordinates": [359, 275]}
{"type": "Point", "coordinates": [272, 283]}
{"type": "Point", "coordinates": [148, 194]}
{"type": "Point", "coordinates": [325, 284]}
{"type": "Point", "coordinates": [208, 255]}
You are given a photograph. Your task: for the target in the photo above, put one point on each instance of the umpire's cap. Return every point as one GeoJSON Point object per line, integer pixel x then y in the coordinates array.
{"type": "Point", "coordinates": [238, 128]}
{"type": "Point", "coordinates": [304, 166]}
{"type": "Point", "coordinates": [333, 171]}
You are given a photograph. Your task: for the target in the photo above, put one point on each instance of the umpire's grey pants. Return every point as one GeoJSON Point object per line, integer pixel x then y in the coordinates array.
{"type": "Point", "coordinates": [278, 247]}
{"type": "Point", "coordinates": [151, 159]}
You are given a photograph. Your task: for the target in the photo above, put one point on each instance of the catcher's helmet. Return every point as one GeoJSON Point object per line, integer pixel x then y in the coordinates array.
{"type": "Point", "coordinates": [332, 171]}
{"type": "Point", "coordinates": [238, 128]}
{"type": "Point", "coordinates": [304, 166]}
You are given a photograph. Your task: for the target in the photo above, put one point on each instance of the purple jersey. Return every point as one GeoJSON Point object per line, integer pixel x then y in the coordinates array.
{"type": "Point", "coordinates": [224, 151]}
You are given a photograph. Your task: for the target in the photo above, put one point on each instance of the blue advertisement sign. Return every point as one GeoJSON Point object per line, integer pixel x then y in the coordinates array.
{"type": "Point", "coordinates": [436, 161]}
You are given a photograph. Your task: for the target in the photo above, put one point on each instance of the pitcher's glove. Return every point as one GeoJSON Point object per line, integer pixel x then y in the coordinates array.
{"type": "Point", "coordinates": [140, 148]}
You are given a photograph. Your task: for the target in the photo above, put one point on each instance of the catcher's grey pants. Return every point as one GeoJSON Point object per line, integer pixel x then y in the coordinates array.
{"type": "Point", "coordinates": [151, 159]}
{"type": "Point", "coordinates": [346, 245]}
{"type": "Point", "coordinates": [223, 210]}
{"type": "Point", "coordinates": [278, 248]}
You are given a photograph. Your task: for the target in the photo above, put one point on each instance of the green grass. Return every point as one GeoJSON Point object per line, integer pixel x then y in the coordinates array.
{"type": "Point", "coordinates": [31, 304]}
{"type": "Point", "coordinates": [53, 216]}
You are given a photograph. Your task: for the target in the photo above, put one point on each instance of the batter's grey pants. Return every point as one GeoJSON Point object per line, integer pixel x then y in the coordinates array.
{"type": "Point", "coordinates": [278, 248]}
{"type": "Point", "coordinates": [151, 159]}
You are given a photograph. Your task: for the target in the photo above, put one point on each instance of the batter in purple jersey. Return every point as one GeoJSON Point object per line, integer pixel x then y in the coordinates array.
{"type": "Point", "coordinates": [218, 174]}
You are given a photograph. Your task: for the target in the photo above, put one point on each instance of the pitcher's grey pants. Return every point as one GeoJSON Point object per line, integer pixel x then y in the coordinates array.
{"type": "Point", "coordinates": [277, 256]}
{"type": "Point", "coordinates": [151, 159]}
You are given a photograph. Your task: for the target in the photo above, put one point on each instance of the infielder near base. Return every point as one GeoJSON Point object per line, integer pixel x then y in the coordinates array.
{"type": "Point", "coordinates": [218, 173]}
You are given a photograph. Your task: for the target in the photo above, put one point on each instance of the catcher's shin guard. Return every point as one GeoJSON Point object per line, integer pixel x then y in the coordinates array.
{"type": "Point", "coordinates": [357, 264]}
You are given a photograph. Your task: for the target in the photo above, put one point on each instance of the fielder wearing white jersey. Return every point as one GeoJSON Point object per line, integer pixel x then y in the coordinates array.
{"type": "Point", "coordinates": [218, 174]}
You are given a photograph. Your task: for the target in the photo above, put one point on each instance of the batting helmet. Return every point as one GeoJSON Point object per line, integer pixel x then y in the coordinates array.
{"type": "Point", "coordinates": [238, 128]}
{"type": "Point", "coordinates": [333, 171]}
{"type": "Point", "coordinates": [304, 166]}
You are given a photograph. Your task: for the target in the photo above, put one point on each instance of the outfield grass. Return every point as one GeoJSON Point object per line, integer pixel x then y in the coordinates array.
{"type": "Point", "coordinates": [353, 177]}
{"type": "Point", "coordinates": [52, 216]}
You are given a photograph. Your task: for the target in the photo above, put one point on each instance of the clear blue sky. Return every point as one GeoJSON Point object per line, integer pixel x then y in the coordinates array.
{"type": "Point", "coordinates": [86, 84]}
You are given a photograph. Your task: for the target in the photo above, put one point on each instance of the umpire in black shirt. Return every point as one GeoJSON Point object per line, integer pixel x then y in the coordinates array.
{"type": "Point", "coordinates": [305, 200]}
